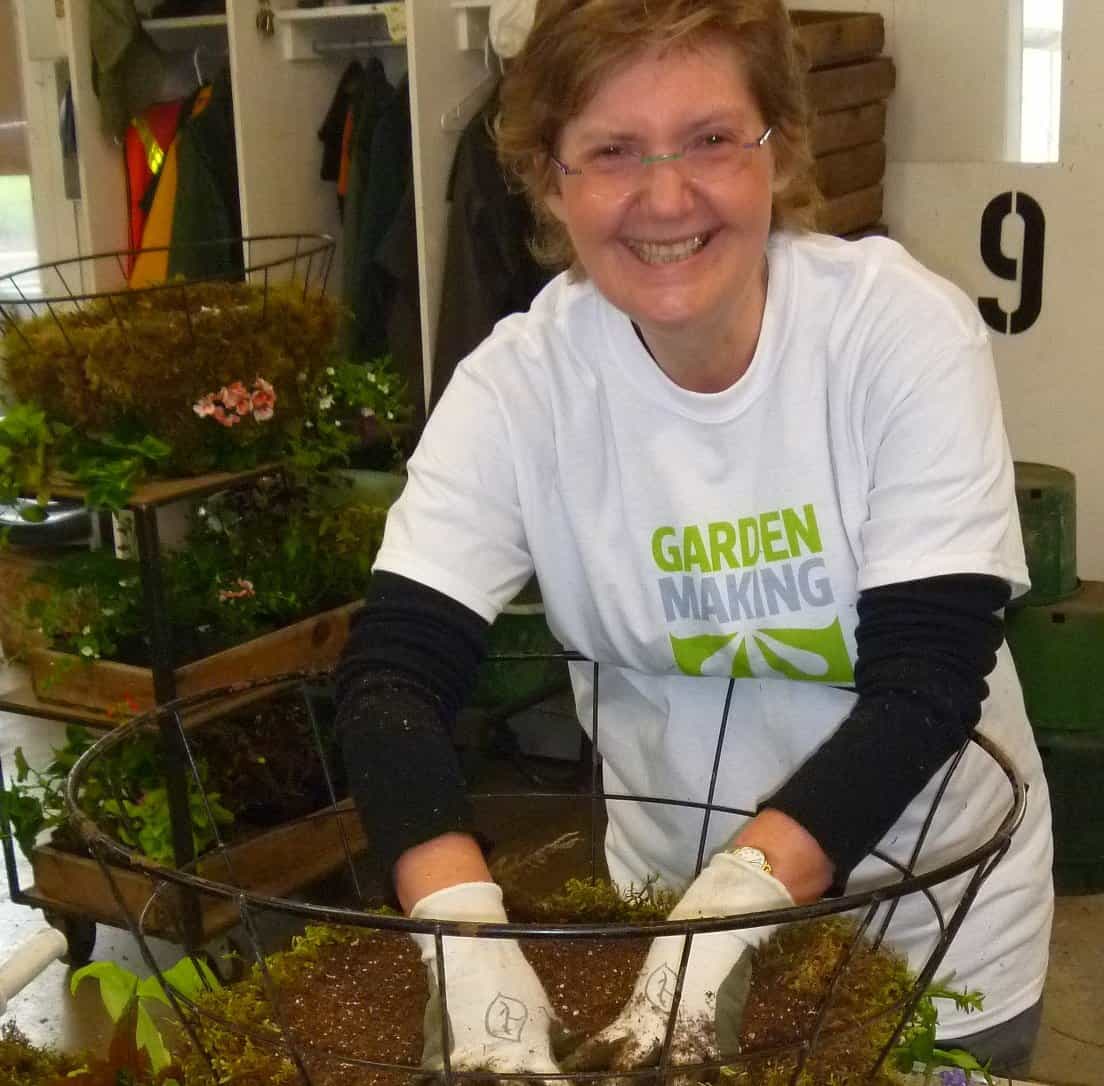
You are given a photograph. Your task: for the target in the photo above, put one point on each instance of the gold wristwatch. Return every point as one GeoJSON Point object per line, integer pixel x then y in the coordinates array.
{"type": "Point", "coordinates": [756, 857]}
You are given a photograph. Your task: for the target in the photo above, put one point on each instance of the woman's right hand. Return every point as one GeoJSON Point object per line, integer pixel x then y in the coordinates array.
{"type": "Point", "coordinates": [500, 1018]}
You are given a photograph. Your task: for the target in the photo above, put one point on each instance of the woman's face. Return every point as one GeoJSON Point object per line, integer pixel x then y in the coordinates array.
{"type": "Point", "coordinates": [679, 253]}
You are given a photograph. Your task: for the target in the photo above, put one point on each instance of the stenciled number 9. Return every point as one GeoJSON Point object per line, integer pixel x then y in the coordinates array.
{"type": "Point", "coordinates": [1028, 270]}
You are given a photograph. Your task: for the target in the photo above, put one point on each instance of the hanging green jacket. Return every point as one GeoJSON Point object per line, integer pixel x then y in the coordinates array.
{"type": "Point", "coordinates": [127, 67]}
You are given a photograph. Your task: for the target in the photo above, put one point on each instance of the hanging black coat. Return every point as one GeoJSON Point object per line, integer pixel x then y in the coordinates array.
{"type": "Point", "coordinates": [489, 271]}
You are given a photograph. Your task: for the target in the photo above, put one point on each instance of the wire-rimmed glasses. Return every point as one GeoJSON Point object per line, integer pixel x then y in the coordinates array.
{"type": "Point", "coordinates": [612, 170]}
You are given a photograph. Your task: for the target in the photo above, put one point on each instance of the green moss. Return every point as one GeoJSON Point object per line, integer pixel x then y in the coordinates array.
{"type": "Point", "coordinates": [248, 1050]}
{"type": "Point", "coordinates": [146, 357]}
{"type": "Point", "coordinates": [24, 1064]}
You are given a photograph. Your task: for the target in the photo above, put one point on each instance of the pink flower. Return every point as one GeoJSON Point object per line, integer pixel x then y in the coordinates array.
{"type": "Point", "coordinates": [264, 400]}
{"type": "Point", "coordinates": [243, 591]}
{"type": "Point", "coordinates": [234, 402]}
{"type": "Point", "coordinates": [236, 397]}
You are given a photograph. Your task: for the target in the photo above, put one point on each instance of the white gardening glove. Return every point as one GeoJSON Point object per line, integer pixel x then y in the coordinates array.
{"type": "Point", "coordinates": [718, 975]}
{"type": "Point", "coordinates": [499, 1015]}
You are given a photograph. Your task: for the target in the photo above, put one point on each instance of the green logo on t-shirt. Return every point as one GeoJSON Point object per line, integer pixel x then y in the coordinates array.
{"type": "Point", "coordinates": [751, 572]}
{"type": "Point", "coordinates": [799, 653]}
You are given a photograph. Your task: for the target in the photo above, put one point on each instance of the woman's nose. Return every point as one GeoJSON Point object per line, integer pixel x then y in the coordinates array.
{"type": "Point", "coordinates": [665, 187]}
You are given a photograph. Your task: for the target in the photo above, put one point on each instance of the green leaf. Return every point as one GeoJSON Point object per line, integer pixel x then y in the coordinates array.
{"type": "Point", "coordinates": [149, 1037]}
{"type": "Point", "coordinates": [118, 986]}
{"type": "Point", "coordinates": [21, 766]}
{"type": "Point", "coordinates": [191, 977]}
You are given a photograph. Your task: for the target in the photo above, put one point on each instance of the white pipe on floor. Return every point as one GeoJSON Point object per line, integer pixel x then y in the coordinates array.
{"type": "Point", "coordinates": [29, 959]}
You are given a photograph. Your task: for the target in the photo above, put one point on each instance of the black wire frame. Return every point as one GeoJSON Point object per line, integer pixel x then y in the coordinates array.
{"type": "Point", "coordinates": [111, 855]}
{"type": "Point", "coordinates": [279, 253]}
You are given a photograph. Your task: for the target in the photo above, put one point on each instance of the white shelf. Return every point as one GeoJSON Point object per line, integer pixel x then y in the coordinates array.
{"type": "Point", "coordinates": [472, 23]}
{"type": "Point", "coordinates": [313, 33]}
{"type": "Point", "coordinates": [183, 23]}
{"type": "Point", "coordinates": [189, 32]}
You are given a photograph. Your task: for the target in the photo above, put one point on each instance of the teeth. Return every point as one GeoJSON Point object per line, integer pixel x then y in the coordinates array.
{"type": "Point", "coordinates": [655, 252]}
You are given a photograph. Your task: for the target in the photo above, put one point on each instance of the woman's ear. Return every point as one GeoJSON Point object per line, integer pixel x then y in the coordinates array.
{"type": "Point", "coordinates": [781, 176]}
{"type": "Point", "coordinates": [553, 201]}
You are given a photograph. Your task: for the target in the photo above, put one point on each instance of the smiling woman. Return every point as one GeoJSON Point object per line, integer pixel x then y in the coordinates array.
{"type": "Point", "coordinates": [761, 475]}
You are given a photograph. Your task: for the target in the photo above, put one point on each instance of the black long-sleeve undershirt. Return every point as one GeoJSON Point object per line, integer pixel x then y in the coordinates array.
{"type": "Point", "coordinates": [924, 650]}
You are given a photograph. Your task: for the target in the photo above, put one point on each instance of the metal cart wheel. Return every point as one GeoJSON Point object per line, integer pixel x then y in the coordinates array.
{"type": "Point", "coordinates": [80, 937]}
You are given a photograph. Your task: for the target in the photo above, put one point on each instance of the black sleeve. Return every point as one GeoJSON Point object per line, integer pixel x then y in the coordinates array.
{"type": "Point", "coordinates": [408, 668]}
{"type": "Point", "coordinates": [924, 650]}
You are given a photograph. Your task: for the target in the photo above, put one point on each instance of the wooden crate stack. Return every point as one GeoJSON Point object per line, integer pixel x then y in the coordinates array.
{"type": "Point", "coordinates": [848, 83]}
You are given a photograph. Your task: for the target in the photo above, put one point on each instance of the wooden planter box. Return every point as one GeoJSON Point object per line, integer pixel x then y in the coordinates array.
{"type": "Point", "coordinates": [106, 685]}
{"type": "Point", "coordinates": [275, 862]}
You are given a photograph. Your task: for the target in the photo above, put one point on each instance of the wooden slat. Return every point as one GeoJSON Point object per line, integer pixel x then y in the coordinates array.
{"type": "Point", "coordinates": [311, 644]}
{"type": "Point", "coordinates": [24, 701]}
{"type": "Point", "coordinates": [850, 84]}
{"type": "Point", "coordinates": [163, 491]}
{"type": "Point", "coordinates": [834, 37]}
{"type": "Point", "coordinates": [850, 170]}
{"type": "Point", "coordinates": [845, 128]}
{"type": "Point", "coordinates": [275, 862]}
{"type": "Point", "coordinates": [846, 214]}
{"type": "Point", "coordinates": [314, 643]}
{"type": "Point", "coordinates": [105, 685]}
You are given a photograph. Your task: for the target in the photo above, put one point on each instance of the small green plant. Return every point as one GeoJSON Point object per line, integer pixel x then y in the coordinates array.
{"type": "Point", "coordinates": [128, 1000]}
{"type": "Point", "coordinates": [35, 800]}
{"type": "Point", "coordinates": [124, 793]}
{"type": "Point", "coordinates": [252, 560]}
{"type": "Point", "coordinates": [917, 1046]}
{"type": "Point", "coordinates": [27, 443]}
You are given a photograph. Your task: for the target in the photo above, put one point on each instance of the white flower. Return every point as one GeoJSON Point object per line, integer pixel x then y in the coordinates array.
{"type": "Point", "coordinates": [87, 650]}
{"type": "Point", "coordinates": [107, 612]}
{"type": "Point", "coordinates": [325, 403]}
{"type": "Point", "coordinates": [330, 370]}
{"type": "Point", "coordinates": [201, 511]}
{"type": "Point", "coordinates": [337, 423]}
{"type": "Point", "coordinates": [367, 413]}
{"type": "Point", "coordinates": [309, 424]}
{"type": "Point", "coordinates": [86, 631]}
{"type": "Point", "coordinates": [371, 377]}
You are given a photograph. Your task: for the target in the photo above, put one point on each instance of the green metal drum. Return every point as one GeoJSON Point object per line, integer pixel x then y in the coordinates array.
{"type": "Point", "coordinates": [1059, 653]}
{"type": "Point", "coordinates": [1074, 765]}
{"type": "Point", "coordinates": [1047, 499]}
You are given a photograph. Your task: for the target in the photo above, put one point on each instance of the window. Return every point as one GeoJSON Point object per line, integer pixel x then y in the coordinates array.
{"type": "Point", "coordinates": [1041, 81]}
{"type": "Point", "coordinates": [17, 235]}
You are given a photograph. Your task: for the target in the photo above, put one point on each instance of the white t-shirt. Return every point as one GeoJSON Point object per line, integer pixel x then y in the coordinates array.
{"type": "Point", "coordinates": [681, 538]}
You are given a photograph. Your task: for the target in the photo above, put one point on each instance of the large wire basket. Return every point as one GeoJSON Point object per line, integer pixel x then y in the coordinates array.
{"type": "Point", "coordinates": [58, 287]}
{"type": "Point", "coordinates": [219, 368]}
{"type": "Point", "coordinates": [224, 885]}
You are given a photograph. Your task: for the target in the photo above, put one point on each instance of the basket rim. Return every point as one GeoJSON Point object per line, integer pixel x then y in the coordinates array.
{"type": "Point", "coordinates": [108, 851]}
{"type": "Point", "coordinates": [323, 243]}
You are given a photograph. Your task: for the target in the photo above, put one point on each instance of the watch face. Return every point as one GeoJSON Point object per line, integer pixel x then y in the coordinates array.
{"type": "Point", "coordinates": [753, 856]}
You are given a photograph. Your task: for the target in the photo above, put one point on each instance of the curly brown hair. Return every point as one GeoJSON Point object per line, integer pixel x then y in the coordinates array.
{"type": "Point", "coordinates": [573, 46]}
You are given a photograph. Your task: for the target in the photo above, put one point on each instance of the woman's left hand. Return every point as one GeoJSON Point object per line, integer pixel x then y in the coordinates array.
{"type": "Point", "coordinates": [718, 974]}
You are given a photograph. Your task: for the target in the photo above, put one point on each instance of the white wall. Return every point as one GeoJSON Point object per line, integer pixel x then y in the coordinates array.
{"type": "Point", "coordinates": [1052, 376]}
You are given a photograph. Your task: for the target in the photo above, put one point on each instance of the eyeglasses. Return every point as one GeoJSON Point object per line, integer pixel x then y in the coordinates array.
{"type": "Point", "coordinates": [614, 170]}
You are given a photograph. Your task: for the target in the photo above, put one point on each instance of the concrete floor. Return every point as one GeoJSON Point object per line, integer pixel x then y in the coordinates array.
{"type": "Point", "coordinates": [1070, 1050]}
